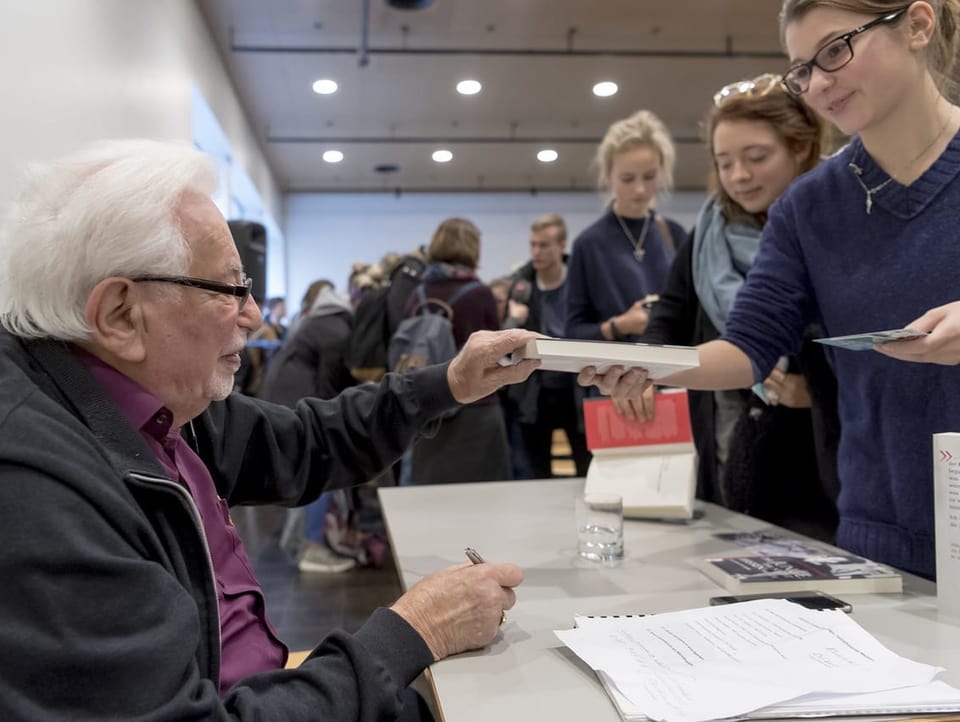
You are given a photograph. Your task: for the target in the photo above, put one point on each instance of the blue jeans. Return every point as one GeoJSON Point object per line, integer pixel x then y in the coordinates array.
{"type": "Point", "coordinates": [316, 514]}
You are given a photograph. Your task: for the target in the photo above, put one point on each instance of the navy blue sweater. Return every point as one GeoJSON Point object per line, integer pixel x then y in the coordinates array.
{"type": "Point", "coordinates": [604, 279]}
{"type": "Point", "coordinates": [823, 258]}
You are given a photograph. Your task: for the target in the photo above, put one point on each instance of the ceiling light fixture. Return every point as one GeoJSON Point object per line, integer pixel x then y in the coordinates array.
{"type": "Point", "coordinates": [469, 87]}
{"type": "Point", "coordinates": [325, 86]}
{"type": "Point", "coordinates": [547, 155]}
{"type": "Point", "coordinates": [605, 89]}
{"type": "Point", "coordinates": [442, 156]}
{"type": "Point", "coordinates": [332, 156]}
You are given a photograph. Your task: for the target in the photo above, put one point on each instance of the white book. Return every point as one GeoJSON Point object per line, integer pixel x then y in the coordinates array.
{"type": "Point", "coordinates": [946, 510]}
{"type": "Point", "coordinates": [572, 355]}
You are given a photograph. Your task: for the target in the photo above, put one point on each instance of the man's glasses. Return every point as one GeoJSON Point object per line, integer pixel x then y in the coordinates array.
{"type": "Point", "coordinates": [242, 291]}
{"type": "Point", "coordinates": [832, 56]}
{"type": "Point", "coordinates": [760, 85]}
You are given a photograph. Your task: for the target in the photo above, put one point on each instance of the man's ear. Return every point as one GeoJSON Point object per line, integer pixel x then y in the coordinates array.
{"type": "Point", "coordinates": [115, 318]}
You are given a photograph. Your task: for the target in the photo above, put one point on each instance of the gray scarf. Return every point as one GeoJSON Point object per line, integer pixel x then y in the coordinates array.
{"type": "Point", "coordinates": [722, 254]}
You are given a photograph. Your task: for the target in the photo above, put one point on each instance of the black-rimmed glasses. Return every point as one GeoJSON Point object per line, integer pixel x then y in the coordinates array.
{"type": "Point", "coordinates": [242, 291]}
{"type": "Point", "coordinates": [832, 56]}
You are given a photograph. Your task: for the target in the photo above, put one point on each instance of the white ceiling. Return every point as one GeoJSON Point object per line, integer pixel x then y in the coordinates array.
{"type": "Point", "coordinates": [537, 60]}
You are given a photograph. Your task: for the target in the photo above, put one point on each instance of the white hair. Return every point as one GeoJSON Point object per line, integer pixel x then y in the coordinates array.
{"type": "Point", "coordinates": [107, 210]}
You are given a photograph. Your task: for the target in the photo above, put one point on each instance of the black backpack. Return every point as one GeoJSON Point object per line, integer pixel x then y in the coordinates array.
{"type": "Point", "coordinates": [376, 318]}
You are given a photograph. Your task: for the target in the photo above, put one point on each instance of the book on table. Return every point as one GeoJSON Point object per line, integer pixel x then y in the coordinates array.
{"type": "Point", "coordinates": [779, 564]}
{"type": "Point", "coordinates": [572, 355]}
{"type": "Point", "coordinates": [652, 465]}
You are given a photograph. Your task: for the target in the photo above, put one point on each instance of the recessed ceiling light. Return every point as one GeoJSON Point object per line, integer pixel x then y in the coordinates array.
{"type": "Point", "coordinates": [332, 156]}
{"type": "Point", "coordinates": [469, 87]}
{"type": "Point", "coordinates": [547, 155]}
{"type": "Point", "coordinates": [442, 156]}
{"type": "Point", "coordinates": [605, 89]}
{"type": "Point", "coordinates": [325, 86]}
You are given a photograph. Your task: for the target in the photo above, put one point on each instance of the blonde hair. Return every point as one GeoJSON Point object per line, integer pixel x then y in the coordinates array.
{"type": "Point", "coordinates": [551, 220]}
{"type": "Point", "coordinates": [941, 52]}
{"type": "Point", "coordinates": [643, 128]}
{"type": "Point", "coordinates": [456, 240]}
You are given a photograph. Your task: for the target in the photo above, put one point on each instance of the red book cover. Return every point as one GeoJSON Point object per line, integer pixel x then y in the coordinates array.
{"type": "Point", "coordinates": [606, 429]}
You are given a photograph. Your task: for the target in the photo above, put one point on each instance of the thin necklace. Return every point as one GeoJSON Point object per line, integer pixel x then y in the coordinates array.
{"type": "Point", "coordinates": [858, 171]}
{"type": "Point", "coordinates": [637, 243]}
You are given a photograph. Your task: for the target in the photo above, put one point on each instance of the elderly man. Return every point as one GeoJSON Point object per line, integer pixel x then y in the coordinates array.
{"type": "Point", "coordinates": [128, 592]}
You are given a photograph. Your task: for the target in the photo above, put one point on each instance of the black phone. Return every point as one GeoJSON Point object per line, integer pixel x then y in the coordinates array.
{"type": "Point", "coordinates": [810, 600]}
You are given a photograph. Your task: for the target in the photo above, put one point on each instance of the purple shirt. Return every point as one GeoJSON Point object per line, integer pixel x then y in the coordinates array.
{"type": "Point", "coordinates": [248, 642]}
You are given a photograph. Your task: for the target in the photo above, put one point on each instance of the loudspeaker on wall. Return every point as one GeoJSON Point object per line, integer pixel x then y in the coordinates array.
{"type": "Point", "coordinates": [251, 240]}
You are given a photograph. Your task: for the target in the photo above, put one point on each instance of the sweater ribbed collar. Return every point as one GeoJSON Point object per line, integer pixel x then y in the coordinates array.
{"type": "Point", "coordinates": [906, 202]}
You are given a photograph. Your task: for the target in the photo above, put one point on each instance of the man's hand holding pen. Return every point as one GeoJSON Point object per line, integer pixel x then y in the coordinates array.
{"type": "Point", "coordinates": [460, 607]}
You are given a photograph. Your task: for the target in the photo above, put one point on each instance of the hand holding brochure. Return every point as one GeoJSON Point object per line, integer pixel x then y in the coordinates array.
{"type": "Point", "coordinates": [866, 341]}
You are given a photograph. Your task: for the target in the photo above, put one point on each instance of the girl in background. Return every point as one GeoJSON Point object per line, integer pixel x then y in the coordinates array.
{"type": "Point", "coordinates": [620, 263]}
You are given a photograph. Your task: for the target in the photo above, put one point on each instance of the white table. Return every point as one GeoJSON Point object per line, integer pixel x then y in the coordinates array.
{"type": "Point", "coordinates": [527, 673]}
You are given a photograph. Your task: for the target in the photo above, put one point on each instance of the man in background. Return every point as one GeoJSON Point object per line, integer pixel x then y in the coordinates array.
{"type": "Point", "coordinates": [537, 302]}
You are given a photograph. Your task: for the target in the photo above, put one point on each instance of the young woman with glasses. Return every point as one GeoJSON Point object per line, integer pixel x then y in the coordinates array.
{"type": "Point", "coordinates": [757, 452]}
{"type": "Point", "coordinates": [866, 241]}
{"type": "Point", "coordinates": [623, 258]}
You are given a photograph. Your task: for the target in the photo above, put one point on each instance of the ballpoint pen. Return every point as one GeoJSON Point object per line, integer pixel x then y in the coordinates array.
{"type": "Point", "coordinates": [474, 556]}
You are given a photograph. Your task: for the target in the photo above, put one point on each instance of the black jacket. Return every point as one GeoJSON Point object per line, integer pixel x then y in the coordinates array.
{"type": "Point", "coordinates": [311, 361]}
{"type": "Point", "coordinates": [523, 397]}
{"type": "Point", "coordinates": [110, 610]}
{"type": "Point", "coordinates": [797, 490]}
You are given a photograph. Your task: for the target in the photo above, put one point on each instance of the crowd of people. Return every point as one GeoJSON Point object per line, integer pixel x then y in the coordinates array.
{"type": "Point", "coordinates": [126, 317]}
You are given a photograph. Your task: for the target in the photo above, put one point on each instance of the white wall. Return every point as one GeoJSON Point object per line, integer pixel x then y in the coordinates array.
{"type": "Point", "coordinates": [81, 70]}
{"type": "Point", "coordinates": [325, 233]}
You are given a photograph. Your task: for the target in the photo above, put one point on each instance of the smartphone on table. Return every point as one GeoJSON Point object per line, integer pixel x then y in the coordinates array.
{"type": "Point", "coordinates": [811, 600]}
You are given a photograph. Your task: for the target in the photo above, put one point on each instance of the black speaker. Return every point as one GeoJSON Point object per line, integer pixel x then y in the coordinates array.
{"type": "Point", "coordinates": [251, 240]}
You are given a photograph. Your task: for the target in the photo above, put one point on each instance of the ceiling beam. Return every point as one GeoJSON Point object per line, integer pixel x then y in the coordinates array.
{"type": "Point", "coordinates": [452, 140]}
{"type": "Point", "coordinates": [727, 53]}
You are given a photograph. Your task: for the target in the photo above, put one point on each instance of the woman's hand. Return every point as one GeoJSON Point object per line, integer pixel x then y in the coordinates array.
{"type": "Point", "coordinates": [636, 408]}
{"type": "Point", "coordinates": [940, 346]}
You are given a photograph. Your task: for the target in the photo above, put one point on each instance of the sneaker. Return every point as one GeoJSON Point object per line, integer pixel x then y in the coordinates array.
{"type": "Point", "coordinates": [318, 558]}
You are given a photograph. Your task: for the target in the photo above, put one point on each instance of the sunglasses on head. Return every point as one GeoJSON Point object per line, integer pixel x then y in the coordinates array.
{"type": "Point", "coordinates": [760, 85]}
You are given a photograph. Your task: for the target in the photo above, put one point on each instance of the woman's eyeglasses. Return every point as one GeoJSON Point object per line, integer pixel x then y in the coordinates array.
{"type": "Point", "coordinates": [832, 56]}
{"type": "Point", "coordinates": [760, 85]}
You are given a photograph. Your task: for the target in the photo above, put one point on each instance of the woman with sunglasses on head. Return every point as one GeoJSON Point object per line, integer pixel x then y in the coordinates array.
{"type": "Point", "coordinates": [757, 451]}
{"type": "Point", "coordinates": [623, 258]}
{"type": "Point", "coordinates": [866, 241]}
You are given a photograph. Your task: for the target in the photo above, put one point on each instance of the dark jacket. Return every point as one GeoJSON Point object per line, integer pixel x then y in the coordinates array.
{"type": "Point", "coordinates": [800, 444]}
{"type": "Point", "coordinates": [311, 361]}
{"type": "Point", "coordinates": [110, 610]}
{"type": "Point", "coordinates": [523, 396]}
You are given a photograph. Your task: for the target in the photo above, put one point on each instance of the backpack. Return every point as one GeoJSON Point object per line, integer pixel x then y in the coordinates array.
{"type": "Point", "coordinates": [375, 320]}
{"type": "Point", "coordinates": [426, 338]}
